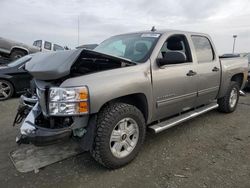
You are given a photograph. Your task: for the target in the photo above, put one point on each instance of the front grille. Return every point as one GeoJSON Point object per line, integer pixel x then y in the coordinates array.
{"type": "Point", "coordinates": [41, 94]}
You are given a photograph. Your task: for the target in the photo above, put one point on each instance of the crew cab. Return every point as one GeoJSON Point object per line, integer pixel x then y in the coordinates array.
{"type": "Point", "coordinates": [108, 97]}
{"type": "Point", "coordinates": [46, 46]}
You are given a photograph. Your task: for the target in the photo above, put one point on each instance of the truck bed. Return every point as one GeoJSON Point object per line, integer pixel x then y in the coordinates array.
{"type": "Point", "coordinates": [230, 67]}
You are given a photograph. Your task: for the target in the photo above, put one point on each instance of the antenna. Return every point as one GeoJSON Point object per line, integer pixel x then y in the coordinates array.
{"type": "Point", "coordinates": [153, 29]}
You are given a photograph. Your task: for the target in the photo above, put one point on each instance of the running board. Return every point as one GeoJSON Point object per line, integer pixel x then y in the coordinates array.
{"type": "Point", "coordinates": [181, 118]}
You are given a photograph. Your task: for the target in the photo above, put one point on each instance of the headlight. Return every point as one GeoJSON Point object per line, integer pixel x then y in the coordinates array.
{"type": "Point", "coordinates": [68, 101]}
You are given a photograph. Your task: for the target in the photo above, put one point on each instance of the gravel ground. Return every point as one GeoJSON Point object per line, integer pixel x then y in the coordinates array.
{"type": "Point", "coordinates": [212, 150]}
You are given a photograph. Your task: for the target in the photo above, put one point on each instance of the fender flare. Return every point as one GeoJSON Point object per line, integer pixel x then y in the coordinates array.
{"type": "Point", "coordinates": [20, 48]}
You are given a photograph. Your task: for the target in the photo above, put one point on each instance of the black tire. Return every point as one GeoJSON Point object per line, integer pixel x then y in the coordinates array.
{"type": "Point", "coordinates": [16, 54]}
{"type": "Point", "coordinates": [106, 122]}
{"type": "Point", "coordinates": [224, 103]}
{"type": "Point", "coordinates": [10, 92]}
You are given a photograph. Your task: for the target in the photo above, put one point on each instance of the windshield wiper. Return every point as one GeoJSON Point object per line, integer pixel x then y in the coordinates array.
{"type": "Point", "coordinates": [127, 61]}
{"type": "Point", "coordinates": [123, 63]}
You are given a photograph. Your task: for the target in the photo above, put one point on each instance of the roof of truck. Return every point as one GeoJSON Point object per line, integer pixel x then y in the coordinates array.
{"type": "Point", "coordinates": [163, 31]}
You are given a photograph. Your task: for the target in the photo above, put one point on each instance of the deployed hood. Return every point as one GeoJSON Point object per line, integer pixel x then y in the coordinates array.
{"type": "Point", "coordinates": [51, 65]}
{"type": "Point", "coordinates": [55, 65]}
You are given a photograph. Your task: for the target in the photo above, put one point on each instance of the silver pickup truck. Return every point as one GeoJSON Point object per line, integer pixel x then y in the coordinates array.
{"type": "Point", "coordinates": [108, 97]}
{"type": "Point", "coordinates": [14, 50]}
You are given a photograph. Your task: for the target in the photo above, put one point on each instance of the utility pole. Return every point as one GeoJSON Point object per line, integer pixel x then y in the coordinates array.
{"type": "Point", "coordinates": [234, 36]}
{"type": "Point", "coordinates": [78, 31]}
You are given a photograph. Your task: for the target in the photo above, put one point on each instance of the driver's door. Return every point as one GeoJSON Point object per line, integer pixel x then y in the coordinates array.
{"type": "Point", "coordinates": [174, 89]}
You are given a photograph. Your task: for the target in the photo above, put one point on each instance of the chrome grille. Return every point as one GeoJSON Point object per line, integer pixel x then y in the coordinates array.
{"type": "Point", "coordinates": [41, 94]}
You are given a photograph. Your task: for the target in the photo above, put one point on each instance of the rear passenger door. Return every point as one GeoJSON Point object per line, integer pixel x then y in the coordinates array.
{"type": "Point", "coordinates": [208, 69]}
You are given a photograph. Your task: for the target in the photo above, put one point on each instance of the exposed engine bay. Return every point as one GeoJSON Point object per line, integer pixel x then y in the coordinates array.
{"type": "Point", "coordinates": [89, 63]}
{"type": "Point", "coordinates": [72, 63]}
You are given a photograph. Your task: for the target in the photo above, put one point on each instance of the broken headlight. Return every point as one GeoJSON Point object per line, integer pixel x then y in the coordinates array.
{"type": "Point", "coordinates": [68, 101]}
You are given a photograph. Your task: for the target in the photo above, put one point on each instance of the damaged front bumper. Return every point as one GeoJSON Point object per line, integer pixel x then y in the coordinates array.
{"type": "Point", "coordinates": [30, 132]}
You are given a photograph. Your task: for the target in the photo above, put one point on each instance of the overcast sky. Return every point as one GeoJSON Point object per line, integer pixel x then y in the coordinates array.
{"type": "Point", "coordinates": [56, 20]}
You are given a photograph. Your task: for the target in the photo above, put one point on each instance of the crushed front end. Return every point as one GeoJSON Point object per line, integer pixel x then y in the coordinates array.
{"type": "Point", "coordinates": [53, 114]}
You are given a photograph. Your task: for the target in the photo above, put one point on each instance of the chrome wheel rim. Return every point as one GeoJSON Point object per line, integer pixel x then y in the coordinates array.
{"type": "Point", "coordinates": [233, 97]}
{"type": "Point", "coordinates": [5, 90]}
{"type": "Point", "coordinates": [124, 137]}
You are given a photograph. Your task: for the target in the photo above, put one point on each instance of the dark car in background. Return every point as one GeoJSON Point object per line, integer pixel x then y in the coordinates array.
{"type": "Point", "coordinates": [14, 79]}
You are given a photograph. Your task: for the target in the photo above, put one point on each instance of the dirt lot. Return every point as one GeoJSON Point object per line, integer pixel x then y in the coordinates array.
{"type": "Point", "coordinates": [212, 150]}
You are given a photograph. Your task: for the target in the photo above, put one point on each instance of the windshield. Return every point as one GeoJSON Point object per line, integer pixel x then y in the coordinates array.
{"type": "Point", "coordinates": [135, 47]}
{"type": "Point", "coordinates": [20, 61]}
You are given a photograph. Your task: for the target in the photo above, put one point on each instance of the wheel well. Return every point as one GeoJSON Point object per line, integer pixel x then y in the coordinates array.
{"type": "Point", "coordinates": [238, 78]}
{"type": "Point", "coordinates": [19, 49]}
{"type": "Point", "coordinates": [3, 54]}
{"type": "Point", "coordinates": [138, 99]}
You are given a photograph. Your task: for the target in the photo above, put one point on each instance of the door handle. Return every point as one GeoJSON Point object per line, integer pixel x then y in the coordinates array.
{"type": "Point", "coordinates": [215, 69]}
{"type": "Point", "coordinates": [191, 73]}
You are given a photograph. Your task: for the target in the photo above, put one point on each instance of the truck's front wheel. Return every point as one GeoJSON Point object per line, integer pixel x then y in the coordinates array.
{"type": "Point", "coordinates": [16, 54]}
{"type": "Point", "coordinates": [120, 134]}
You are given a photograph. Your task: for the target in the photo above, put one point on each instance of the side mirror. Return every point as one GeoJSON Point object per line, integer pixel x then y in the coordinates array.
{"type": "Point", "coordinates": [172, 57]}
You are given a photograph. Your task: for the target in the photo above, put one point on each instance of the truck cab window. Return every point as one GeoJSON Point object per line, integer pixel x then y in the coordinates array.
{"type": "Point", "coordinates": [203, 48]}
{"type": "Point", "coordinates": [176, 43]}
{"type": "Point", "coordinates": [38, 43]}
{"type": "Point", "coordinates": [47, 45]}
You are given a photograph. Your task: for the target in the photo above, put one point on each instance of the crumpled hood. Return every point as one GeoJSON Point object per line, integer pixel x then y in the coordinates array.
{"type": "Point", "coordinates": [55, 65]}
{"type": "Point", "coordinates": [51, 65]}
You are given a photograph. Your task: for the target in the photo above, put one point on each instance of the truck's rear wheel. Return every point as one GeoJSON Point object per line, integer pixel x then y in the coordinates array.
{"type": "Point", "coordinates": [16, 54]}
{"type": "Point", "coordinates": [120, 134]}
{"type": "Point", "coordinates": [229, 102]}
